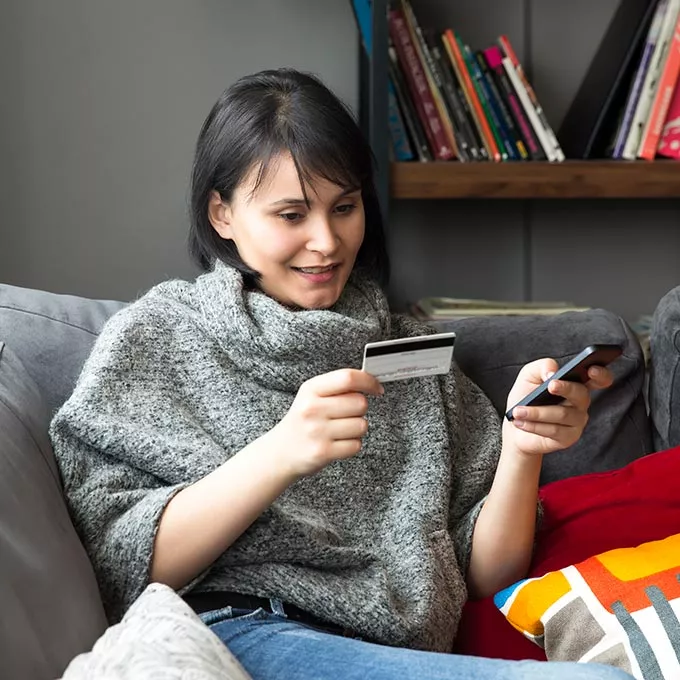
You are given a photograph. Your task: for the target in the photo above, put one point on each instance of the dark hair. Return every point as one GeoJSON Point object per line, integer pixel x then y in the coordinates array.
{"type": "Point", "coordinates": [256, 119]}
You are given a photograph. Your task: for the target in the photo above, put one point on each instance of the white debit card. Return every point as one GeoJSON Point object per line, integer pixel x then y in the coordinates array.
{"type": "Point", "coordinates": [409, 357]}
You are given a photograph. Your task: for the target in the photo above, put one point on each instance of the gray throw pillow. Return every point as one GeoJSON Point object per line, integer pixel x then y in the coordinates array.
{"type": "Point", "coordinates": [51, 609]}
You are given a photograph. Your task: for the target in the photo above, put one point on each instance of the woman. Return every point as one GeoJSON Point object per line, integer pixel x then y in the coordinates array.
{"type": "Point", "coordinates": [222, 440]}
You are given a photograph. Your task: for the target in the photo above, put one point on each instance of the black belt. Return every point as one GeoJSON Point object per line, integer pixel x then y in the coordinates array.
{"type": "Point", "coordinates": [209, 601]}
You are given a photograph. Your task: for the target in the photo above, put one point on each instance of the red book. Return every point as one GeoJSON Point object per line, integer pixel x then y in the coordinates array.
{"type": "Point", "coordinates": [669, 145]}
{"type": "Point", "coordinates": [418, 85]}
{"type": "Point", "coordinates": [662, 98]}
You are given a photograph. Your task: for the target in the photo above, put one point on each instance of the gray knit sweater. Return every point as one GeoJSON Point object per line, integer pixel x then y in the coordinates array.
{"type": "Point", "coordinates": [191, 373]}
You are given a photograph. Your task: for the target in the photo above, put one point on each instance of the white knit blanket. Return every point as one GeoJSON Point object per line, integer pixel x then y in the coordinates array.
{"type": "Point", "coordinates": [159, 638]}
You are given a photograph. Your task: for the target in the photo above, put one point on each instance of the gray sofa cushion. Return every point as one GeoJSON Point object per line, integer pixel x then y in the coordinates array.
{"type": "Point", "coordinates": [664, 375]}
{"type": "Point", "coordinates": [491, 351]}
{"type": "Point", "coordinates": [51, 609]}
{"type": "Point", "coordinates": [52, 335]}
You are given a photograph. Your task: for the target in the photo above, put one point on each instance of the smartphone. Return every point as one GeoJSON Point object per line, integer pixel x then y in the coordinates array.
{"type": "Point", "coordinates": [575, 370]}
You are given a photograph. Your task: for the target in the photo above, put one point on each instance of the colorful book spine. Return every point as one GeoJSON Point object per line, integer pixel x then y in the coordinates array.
{"type": "Point", "coordinates": [467, 142]}
{"type": "Point", "coordinates": [638, 80]}
{"type": "Point", "coordinates": [529, 110]}
{"type": "Point", "coordinates": [451, 45]}
{"type": "Point", "coordinates": [409, 114]}
{"type": "Point", "coordinates": [662, 99]}
{"type": "Point", "coordinates": [494, 58]}
{"type": "Point", "coordinates": [482, 93]}
{"type": "Point", "coordinates": [513, 133]}
{"type": "Point", "coordinates": [419, 86]}
{"type": "Point", "coordinates": [479, 142]}
{"type": "Point", "coordinates": [482, 74]}
{"type": "Point", "coordinates": [453, 87]}
{"type": "Point", "coordinates": [435, 87]}
{"type": "Point", "coordinates": [669, 145]}
{"type": "Point", "coordinates": [644, 105]}
{"type": "Point", "coordinates": [550, 136]}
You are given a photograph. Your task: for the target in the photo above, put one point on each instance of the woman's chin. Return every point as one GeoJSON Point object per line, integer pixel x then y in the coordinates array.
{"type": "Point", "coordinates": [317, 300]}
{"type": "Point", "coordinates": [322, 297]}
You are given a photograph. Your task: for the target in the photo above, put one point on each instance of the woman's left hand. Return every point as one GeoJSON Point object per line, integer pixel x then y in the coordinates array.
{"type": "Point", "coordinates": [537, 430]}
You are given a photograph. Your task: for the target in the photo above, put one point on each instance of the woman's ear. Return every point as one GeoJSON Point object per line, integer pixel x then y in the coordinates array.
{"type": "Point", "coordinates": [219, 214]}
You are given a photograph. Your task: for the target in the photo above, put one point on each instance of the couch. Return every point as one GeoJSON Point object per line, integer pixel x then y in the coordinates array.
{"type": "Point", "coordinates": [51, 607]}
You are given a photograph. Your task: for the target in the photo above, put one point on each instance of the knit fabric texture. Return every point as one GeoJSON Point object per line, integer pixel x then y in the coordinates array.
{"type": "Point", "coordinates": [192, 372]}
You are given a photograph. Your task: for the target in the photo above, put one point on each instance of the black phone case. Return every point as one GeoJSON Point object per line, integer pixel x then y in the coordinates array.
{"type": "Point", "coordinates": [575, 370]}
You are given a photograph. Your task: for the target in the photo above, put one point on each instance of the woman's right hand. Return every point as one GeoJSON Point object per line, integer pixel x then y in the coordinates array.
{"type": "Point", "coordinates": [326, 420]}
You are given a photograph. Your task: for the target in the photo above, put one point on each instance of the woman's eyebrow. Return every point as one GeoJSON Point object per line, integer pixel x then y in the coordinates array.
{"type": "Point", "coordinates": [289, 201]}
{"type": "Point", "coordinates": [301, 200]}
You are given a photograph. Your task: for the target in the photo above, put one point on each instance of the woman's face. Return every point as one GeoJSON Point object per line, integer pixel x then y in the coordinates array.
{"type": "Point", "coordinates": [304, 254]}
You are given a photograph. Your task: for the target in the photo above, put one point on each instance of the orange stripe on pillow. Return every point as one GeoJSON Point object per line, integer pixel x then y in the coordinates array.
{"type": "Point", "coordinates": [628, 564]}
{"type": "Point", "coordinates": [534, 598]}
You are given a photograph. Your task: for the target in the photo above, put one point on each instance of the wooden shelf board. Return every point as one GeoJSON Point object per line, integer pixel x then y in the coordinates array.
{"type": "Point", "coordinates": [531, 179]}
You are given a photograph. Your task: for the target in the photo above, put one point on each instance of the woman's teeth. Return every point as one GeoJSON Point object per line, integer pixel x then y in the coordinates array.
{"type": "Point", "coordinates": [315, 270]}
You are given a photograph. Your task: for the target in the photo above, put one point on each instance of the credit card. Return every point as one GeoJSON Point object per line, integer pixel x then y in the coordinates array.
{"type": "Point", "coordinates": [414, 357]}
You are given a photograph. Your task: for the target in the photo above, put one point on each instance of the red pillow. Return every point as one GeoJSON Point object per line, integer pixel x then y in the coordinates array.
{"type": "Point", "coordinates": [583, 516]}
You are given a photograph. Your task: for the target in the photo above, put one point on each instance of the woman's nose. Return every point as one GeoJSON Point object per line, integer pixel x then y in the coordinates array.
{"type": "Point", "coordinates": [323, 237]}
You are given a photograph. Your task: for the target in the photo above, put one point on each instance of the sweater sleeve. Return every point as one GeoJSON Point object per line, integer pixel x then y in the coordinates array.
{"type": "Point", "coordinates": [121, 442]}
{"type": "Point", "coordinates": [475, 436]}
{"type": "Point", "coordinates": [116, 510]}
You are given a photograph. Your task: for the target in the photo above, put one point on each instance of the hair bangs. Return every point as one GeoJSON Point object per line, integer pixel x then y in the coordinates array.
{"type": "Point", "coordinates": [314, 158]}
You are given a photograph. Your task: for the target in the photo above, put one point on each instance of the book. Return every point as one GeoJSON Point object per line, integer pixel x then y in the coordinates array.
{"type": "Point", "coordinates": [495, 107]}
{"type": "Point", "coordinates": [400, 141]}
{"type": "Point", "coordinates": [448, 308]}
{"type": "Point", "coordinates": [509, 52]}
{"type": "Point", "coordinates": [456, 102]}
{"type": "Point", "coordinates": [451, 45]}
{"type": "Point", "coordinates": [494, 60]}
{"type": "Point", "coordinates": [409, 114]}
{"type": "Point", "coordinates": [483, 94]}
{"type": "Point", "coordinates": [669, 145]}
{"type": "Point", "coordinates": [650, 83]}
{"type": "Point", "coordinates": [435, 86]}
{"type": "Point", "coordinates": [419, 86]}
{"type": "Point", "coordinates": [477, 146]}
{"type": "Point", "coordinates": [509, 124]}
{"type": "Point", "coordinates": [650, 29]}
{"type": "Point", "coordinates": [529, 110]}
{"type": "Point", "coordinates": [662, 98]}
{"type": "Point", "coordinates": [398, 136]}
{"type": "Point", "coordinates": [591, 118]}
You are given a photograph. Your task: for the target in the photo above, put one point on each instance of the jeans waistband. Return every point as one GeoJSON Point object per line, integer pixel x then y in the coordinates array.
{"type": "Point", "coordinates": [210, 600]}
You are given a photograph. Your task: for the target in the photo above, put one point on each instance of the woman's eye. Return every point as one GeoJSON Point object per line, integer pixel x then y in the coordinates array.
{"type": "Point", "coordinates": [290, 216]}
{"type": "Point", "coordinates": [345, 208]}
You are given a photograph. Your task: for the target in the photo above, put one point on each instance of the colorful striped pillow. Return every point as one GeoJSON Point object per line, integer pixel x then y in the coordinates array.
{"type": "Point", "coordinates": [621, 608]}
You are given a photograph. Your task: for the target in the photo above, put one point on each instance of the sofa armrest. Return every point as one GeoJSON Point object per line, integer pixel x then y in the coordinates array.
{"type": "Point", "coordinates": [664, 374]}
{"type": "Point", "coordinates": [52, 335]}
{"type": "Point", "coordinates": [491, 350]}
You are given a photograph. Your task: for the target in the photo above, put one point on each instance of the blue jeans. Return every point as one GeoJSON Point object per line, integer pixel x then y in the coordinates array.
{"type": "Point", "coordinates": [271, 647]}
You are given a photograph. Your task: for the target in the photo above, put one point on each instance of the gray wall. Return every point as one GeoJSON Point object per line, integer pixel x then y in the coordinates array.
{"type": "Point", "coordinates": [621, 255]}
{"type": "Point", "coordinates": [101, 102]}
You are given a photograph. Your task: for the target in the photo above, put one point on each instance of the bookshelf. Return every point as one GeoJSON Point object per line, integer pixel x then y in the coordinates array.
{"type": "Point", "coordinates": [597, 233]}
{"type": "Point", "coordinates": [573, 179]}
{"type": "Point", "coordinates": [569, 179]}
